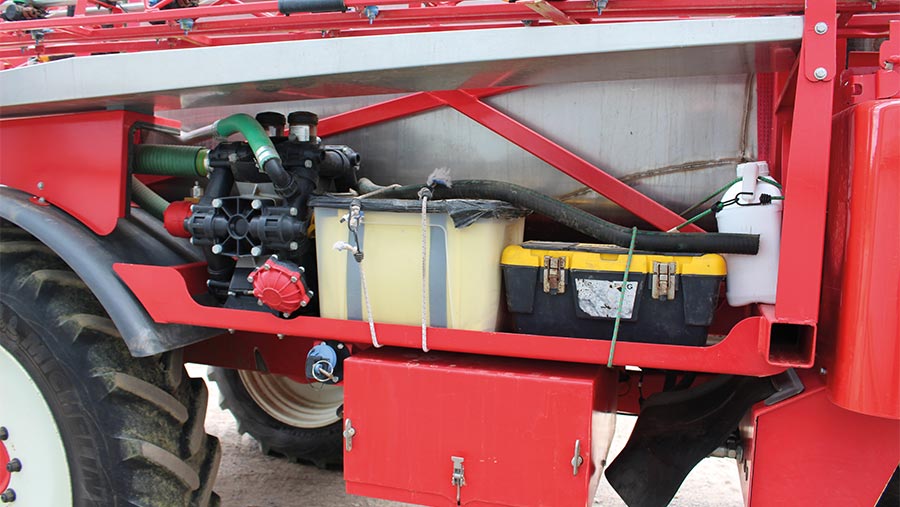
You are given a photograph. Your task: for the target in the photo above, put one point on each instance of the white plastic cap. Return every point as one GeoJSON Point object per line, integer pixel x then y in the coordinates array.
{"type": "Point", "coordinates": [761, 167]}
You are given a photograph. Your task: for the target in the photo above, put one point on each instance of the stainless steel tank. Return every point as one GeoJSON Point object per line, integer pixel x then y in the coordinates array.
{"type": "Point", "coordinates": [673, 139]}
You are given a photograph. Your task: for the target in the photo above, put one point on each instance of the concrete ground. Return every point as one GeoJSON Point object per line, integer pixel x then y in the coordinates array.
{"type": "Point", "coordinates": [249, 479]}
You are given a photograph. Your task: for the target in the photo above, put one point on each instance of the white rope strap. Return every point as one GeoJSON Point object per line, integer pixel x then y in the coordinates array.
{"type": "Point", "coordinates": [341, 246]}
{"type": "Point", "coordinates": [424, 194]}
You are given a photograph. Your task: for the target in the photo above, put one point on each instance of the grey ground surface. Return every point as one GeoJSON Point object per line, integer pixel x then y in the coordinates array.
{"type": "Point", "coordinates": [249, 479]}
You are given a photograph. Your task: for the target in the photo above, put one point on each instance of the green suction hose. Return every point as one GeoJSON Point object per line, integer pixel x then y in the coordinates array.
{"type": "Point", "coordinates": [147, 199]}
{"type": "Point", "coordinates": [256, 136]}
{"type": "Point", "coordinates": [170, 160]}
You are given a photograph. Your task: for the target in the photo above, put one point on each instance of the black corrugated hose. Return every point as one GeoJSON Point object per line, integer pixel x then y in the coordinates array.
{"type": "Point", "coordinates": [583, 221]}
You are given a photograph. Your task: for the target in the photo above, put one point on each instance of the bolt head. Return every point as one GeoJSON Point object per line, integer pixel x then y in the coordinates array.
{"type": "Point", "coordinates": [285, 314]}
{"type": "Point", "coordinates": [259, 302]}
{"type": "Point", "coordinates": [255, 251]}
{"type": "Point", "coordinates": [14, 465]}
{"type": "Point", "coordinates": [303, 304]}
{"type": "Point", "coordinates": [230, 331]}
{"type": "Point", "coordinates": [820, 73]}
{"type": "Point", "coordinates": [823, 371]}
{"type": "Point", "coordinates": [280, 336]}
{"type": "Point", "coordinates": [8, 496]}
{"type": "Point", "coordinates": [308, 164]}
{"type": "Point", "coordinates": [294, 279]}
{"type": "Point", "coordinates": [267, 267]}
{"type": "Point", "coordinates": [250, 279]}
{"type": "Point", "coordinates": [40, 185]}
{"type": "Point", "coordinates": [217, 203]}
{"type": "Point", "coordinates": [310, 293]}
{"type": "Point", "coordinates": [4, 433]}
{"type": "Point", "coordinates": [256, 204]}
{"type": "Point", "coordinates": [293, 212]}
{"type": "Point", "coordinates": [340, 346]}
{"type": "Point", "coordinates": [42, 200]}
{"type": "Point", "coordinates": [216, 249]}
{"type": "Point", "coordinates": [821, 27]}
{"type": "Point", "coordinates": [293, 245]}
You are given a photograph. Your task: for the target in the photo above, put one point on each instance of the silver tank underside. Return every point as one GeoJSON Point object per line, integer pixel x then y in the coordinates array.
{"type": "Point", "coordinates": [667, 106]}
{"type": "Point", "coordinates": [674, 139]}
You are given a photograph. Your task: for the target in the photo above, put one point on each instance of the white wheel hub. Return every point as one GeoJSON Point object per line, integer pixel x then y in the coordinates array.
{"type": "Point", "coordinates": [33, 438]}
{"type": "Point", "coordinates": [294, 403]}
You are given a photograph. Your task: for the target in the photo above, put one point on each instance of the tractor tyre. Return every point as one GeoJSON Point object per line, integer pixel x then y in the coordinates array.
{"type": "Point", "coordinates": [298, 421]}
{"type": "Point", "coordinates": [82, 422]}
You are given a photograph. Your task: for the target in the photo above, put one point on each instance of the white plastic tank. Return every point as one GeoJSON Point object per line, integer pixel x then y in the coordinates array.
{"type": "Point", "coordinates": [752, 278]}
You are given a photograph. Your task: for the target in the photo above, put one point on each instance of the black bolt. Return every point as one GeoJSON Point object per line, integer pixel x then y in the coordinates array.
{"type": "Point", "coordinates": [14, 465]}
{"type": "Point", "coordinates": [8, 496]}
{"type": "Point", "coordinates": [4, 434]}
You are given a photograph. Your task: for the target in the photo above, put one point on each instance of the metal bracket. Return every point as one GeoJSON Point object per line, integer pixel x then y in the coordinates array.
{"type": "Point", "coordinates": [819, 40]}
{"type": "Point", "coordinates": [458, 478]}
{"type": "Point", "coordinates": [787, 385]}
{"type": "Point", "coordinates": [663, 283]}
{"type": "Point", "coordinates": [577, 460]}
{"type": "Point", "coordinates": [554, 275]}
{"type": "Point", "coordinates": [349, 433]}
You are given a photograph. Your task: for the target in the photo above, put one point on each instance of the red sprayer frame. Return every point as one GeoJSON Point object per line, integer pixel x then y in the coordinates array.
{"type": "Point", "coordinates": [798, 112]}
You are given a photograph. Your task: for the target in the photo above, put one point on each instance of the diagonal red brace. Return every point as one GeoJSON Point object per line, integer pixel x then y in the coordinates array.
{"type": "Point", "coordinates": [392, 109]}
{"type": "Point", "coordinates": [557, 156]}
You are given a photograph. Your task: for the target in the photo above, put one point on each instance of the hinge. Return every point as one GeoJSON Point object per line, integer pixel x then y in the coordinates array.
{"type": "Point", "coordinates": [663, 283]}
{"type": "Point", "coordinates": [458, 478]}
{"type": "Point", "coordinates": [554, 275]}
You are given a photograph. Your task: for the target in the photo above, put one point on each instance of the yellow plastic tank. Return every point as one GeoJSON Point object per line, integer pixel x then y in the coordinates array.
{"type": "Point", "coordinates": [462, 272]}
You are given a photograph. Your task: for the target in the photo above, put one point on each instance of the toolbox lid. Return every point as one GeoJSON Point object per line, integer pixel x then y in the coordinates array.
{"type": "Point", "coordinates": [610, 258]}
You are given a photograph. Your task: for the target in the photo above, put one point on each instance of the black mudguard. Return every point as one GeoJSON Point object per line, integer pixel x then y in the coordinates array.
{"type": "Point", "coordinates": [137, 239]}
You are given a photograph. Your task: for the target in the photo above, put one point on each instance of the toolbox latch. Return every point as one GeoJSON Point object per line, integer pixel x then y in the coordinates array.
{"type": "Point", "coordinates": [554, 275]}
{"type": "Point", "coordinates": [458, 478]}
{"type": "Point", "coordinates": [663, 283]}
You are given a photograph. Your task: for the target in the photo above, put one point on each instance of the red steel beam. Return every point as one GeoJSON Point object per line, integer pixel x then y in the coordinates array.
{"type": "Point", "coordinates": [742, 352]}
{"type": "Point", "coordinates": [564, 160]}
{"type": "Point", "coordinates": [623, 8]}
{"type": "Point", "coordinates": [392, 109]}
{"type": "Point", "coordinates": [806, 173]}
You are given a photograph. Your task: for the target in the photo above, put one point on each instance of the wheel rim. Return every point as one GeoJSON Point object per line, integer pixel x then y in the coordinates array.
{"type": "Point", "coordinates": [33, 438]}
{"type": "Point", "coordinates": [294, 403]}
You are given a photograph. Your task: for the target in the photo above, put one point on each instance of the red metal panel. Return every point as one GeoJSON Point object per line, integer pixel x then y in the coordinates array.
{"type": "Point", "coordinates": [807, 451]}
{"type": "Point", "coordinates": [564, 160]}
{"type": "Point", "coordinates": [861, 292]}
{"type": "Point", "coordinates": [83, 173]}
{"type": "Point", "coordinates": [515, 424]}
{"type": "Point", "coordinates": [164, 292]}
{"type": "Point", "coordinates": [806, 175]}
{"type": "Point", "coordinates": [76, 162]}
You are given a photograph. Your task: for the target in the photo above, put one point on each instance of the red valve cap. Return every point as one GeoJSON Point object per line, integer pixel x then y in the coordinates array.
{"type": "Point", "coordinates": [174, 217]}
{"type": "Point", "coordinates": [279, 285]}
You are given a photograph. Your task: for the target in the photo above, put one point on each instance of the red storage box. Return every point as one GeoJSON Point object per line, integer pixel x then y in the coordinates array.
{"type": "Point", "coordinates": [515, 425]}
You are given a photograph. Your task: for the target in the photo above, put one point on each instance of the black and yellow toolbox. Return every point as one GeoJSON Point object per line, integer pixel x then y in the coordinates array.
{"type": "Point", "coordinates": [573, 289]}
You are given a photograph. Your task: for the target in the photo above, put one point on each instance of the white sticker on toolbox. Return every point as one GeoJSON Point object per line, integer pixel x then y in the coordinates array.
{"type": "Point", "coordinates": [600, 298]}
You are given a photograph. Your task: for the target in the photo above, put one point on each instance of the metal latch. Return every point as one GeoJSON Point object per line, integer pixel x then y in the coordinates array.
{"type": "Point", "coordinates": [577, 460]}
{"type": "Point", "coordinates": [554, 275]}
{"type": "Point", "coordinates": [349, 432]}
{"type": "Point", "coordinates": [663, 283]}
{"type": "Point", "coordinates": [459, 475]}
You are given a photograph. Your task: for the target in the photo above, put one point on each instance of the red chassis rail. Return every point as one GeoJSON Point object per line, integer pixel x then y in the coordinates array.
{"type": "Point", "coordinates": [225, 22]}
